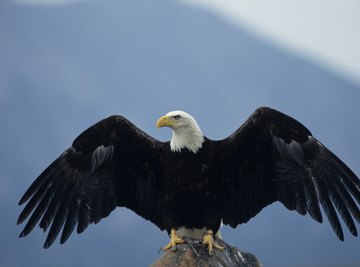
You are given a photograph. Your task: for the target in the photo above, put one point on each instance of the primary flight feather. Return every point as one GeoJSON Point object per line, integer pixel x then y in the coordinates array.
{"type": "Point", "coordinates": [191, 182]}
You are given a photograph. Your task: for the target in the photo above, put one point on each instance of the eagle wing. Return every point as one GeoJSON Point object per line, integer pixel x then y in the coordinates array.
{"type": "Point", "coordinates": [113, 163]}
{"type": "Point", "coordinates": [272, 157]}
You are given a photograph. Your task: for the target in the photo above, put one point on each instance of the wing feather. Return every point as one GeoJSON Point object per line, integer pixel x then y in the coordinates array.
{"type": "Point", "coordinates": [330, 210]}
{"type": "Point", "coordinates": [341, 207]}
{"type": "Point", "coordinates": [53, 207]}
{"type": "Point", "coordinates": [349, 201]}
{"type": "Point", "coordinates": [84, 216]}
{"type": "Point", "coordinates": [59, 219]}
{"type": "Point", "coordinates": [286, 163]}
{"type": "Point", "coordinates": [71, 219]}
{"type": "Point", "coordinates": [39, 211]}
{"type": "Point", "coordinates": [94, 176]}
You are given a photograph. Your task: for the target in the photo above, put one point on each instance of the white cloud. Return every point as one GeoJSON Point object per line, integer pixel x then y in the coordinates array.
{"type": "Point", "coordinates": [325, 30]}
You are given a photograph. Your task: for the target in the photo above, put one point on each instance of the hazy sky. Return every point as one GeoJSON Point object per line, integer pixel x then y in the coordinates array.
{"type": "Point", "coordinates": [327, 31]}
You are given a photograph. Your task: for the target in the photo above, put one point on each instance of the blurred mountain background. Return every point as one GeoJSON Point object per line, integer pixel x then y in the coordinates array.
{"type": "Point", "coordinates": [65, 67]}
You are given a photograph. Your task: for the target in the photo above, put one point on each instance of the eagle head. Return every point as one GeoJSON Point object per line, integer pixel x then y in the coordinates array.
{"type": "Point", "coordinates": [186, 131]}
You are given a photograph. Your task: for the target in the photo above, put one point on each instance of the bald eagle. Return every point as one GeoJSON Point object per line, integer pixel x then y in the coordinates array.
{"type": "Point", "coordinates": [188, 186]}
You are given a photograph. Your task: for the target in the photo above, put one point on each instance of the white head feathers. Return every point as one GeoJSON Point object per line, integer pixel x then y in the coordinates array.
{"type": "Point", "coordinates": [186, 131]}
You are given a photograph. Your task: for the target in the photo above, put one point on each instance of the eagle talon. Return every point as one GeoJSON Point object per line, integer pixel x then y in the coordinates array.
{"type": "Point", "coordinates": [174, 240]}
{"type": "Point", "coordinates": [208, 240]}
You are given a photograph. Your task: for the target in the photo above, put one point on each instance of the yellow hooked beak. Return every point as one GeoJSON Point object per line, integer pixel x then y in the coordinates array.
{"type": "Point", "coordinates": [164, 121]}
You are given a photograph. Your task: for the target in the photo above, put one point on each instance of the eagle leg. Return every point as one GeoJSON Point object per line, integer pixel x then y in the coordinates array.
{"type": "Point", "coordinates": [208, 240]}
{"type": "Point", "coordinates": [174, 240]}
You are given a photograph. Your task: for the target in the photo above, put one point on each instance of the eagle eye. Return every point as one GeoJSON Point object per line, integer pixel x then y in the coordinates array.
{"type": "Point", "coordinates": [177, 117]}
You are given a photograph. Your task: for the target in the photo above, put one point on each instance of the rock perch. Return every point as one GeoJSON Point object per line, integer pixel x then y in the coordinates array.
{"type": "Point", "coordinates": [194, 254]}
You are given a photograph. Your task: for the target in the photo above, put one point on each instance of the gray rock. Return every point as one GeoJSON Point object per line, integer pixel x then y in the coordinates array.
{"type": "Point", "coordinates": [193, 253]}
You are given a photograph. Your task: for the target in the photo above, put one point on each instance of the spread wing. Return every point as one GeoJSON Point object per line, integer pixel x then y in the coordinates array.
{"type": "Point", "coordinates": [273, 157]}
{"type": "Point", "coordinates": [113, 163]}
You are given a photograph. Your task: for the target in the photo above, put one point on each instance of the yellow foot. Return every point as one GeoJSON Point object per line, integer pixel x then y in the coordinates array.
{"type": "Point", "coordinates": [208, 240]}
{"type": "Point", "coordinates": [174, 240]}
